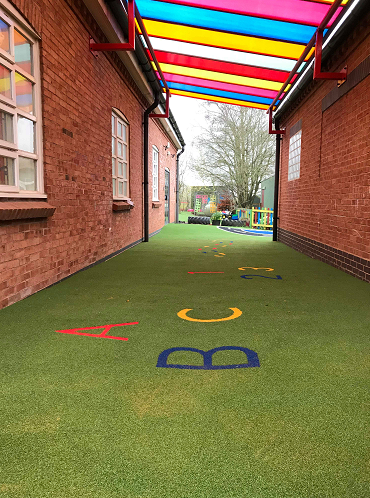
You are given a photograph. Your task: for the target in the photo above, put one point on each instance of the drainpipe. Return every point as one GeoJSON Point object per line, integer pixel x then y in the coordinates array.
{"type": "Point", "coordinates": [146, 166]}
{"type": "Point", "coordinates": [177, 183]}
{"type": "Point", "coordinates": [277, 172]}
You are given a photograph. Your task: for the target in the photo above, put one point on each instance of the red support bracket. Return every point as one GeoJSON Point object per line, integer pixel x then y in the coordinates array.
{"type": "Point", "coordinates": [317, 74]}
{"type": "Point", "coordinates": [167, 113]}
{"type": "Point", "coordinates": [99, 47]}
{"type": "Point", "coordinates": [271, 131]}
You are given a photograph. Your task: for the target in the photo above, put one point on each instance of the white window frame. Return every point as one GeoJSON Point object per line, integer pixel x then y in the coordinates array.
{"type": "Point", "coordinates": [155, 173]}
{"type": "Point", "coordinates": [120, 179]}
{"type": "Point", "coordinates": [295, 147]}
{"type": "Point", "coordinates": [9, 149]}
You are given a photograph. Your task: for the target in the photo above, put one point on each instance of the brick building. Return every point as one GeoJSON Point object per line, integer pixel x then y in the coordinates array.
{"type": "Point", "coordinates": [72, 143]}
{"type": "Point", "coordinates": [324, 186]}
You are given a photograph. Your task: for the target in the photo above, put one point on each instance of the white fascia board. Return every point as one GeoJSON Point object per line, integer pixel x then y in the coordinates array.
{"type": "Point", "coordinates": [111, 29]}
{"type": "Point", "coordinates": [168, 127]}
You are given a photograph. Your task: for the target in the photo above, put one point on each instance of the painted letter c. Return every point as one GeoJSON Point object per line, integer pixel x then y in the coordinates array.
{"type": "Point", "coordinates": [183, 314]}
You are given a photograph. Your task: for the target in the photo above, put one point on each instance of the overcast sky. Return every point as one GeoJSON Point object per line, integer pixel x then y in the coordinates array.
{"type": "Point", "coordinates": [189, 116]}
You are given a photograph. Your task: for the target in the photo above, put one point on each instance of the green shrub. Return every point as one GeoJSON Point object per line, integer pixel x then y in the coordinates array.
{"type": "Point", "coordinates": [216, 216]}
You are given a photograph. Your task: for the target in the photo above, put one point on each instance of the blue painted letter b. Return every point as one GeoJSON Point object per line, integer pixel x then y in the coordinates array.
{"type": "Point", "coordinates": [252, 358]}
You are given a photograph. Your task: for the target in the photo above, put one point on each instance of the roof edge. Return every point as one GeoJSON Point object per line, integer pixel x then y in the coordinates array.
{"type": "Point", "coordinates": [117, 9]}
{"type": "Point", "coordinates": [332, 40]}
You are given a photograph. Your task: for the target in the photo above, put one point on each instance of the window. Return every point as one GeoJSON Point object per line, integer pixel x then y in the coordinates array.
{"type": "Point", "coordinates": [120, 154]}
{"type": "Point", "coordinates": [155, 173]}
{"type": "Point", "coordinates": [295, 151]}
{"type": "Point", "coordinates": [20, 111]}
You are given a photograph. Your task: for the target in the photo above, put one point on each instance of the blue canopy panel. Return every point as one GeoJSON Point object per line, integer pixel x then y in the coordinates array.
{"type": "Point", "coordinates": [224, 21]}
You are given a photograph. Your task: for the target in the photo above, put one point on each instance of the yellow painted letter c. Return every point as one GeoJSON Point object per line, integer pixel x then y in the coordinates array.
{"type": "Point", "coordinates": [183, 314]}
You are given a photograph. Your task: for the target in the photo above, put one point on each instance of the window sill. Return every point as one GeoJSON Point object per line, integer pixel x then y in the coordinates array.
{"type": "Point", "coordinates": [25, 210]}
{"type": "Point", "coordinates": [23, 195]}
{"type": "Point", "coordinates": [156, 204]}
{"type": "Point", "coordinates": [123, 205]}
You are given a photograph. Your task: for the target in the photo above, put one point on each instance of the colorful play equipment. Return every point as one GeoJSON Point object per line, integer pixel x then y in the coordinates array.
{"type": "Point", "coordinates": [206, 204]}
{"type": "Point", "coordinates": [260, 218]}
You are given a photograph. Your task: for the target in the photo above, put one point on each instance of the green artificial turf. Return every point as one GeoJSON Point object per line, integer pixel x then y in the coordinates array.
{"type": "Point", "coordinates": [184, 215]}
{"type": "Point", "coordinates": [92, 417]}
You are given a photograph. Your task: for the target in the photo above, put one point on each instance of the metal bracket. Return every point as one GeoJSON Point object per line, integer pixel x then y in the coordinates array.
{"type": "Point", "coordinates": [317, 74]}
{"type": "Point", "coordinates": [271, 131]}
{"type": "Point", "coordinates": [95, 54]}
{"type": "Point", "coordinates": [132, 13]}
{"type": "Point", "coordinates": [99, 47]}
{"type": "Point", "coordinates": [167, 112]}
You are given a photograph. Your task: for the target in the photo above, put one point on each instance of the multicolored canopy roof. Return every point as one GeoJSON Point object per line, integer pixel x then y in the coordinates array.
{"type": "Point", "coordinates": [237, 52]}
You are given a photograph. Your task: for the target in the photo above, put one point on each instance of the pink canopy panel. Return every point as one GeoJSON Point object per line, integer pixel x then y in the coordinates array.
{"type": "Point", "coordinates": [302, 12]}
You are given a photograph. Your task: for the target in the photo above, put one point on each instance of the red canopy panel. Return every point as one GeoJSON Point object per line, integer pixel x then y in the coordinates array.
{"type": "Point", "coordinates": [221, 67]}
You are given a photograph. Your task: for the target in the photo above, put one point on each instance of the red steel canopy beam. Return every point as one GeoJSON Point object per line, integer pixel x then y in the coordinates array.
{"type": "Point", "coordinates": [167, 111]}
{"type": "Point", "coordinates": [154, 58]}
{"type": "Point", "coordinates": [132, 13]}
{"type": "Point", "coordinates": [310, 44]}
{"type": "Point", "coordinates": [271, 131]}
{"type": "Point", "coordinates": [317, 74]}
{"type": "Point", "coordinates": [130, 46]}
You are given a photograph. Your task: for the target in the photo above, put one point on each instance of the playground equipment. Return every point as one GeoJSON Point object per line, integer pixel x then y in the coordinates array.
{"type": "Point", "coordinates": [205, 204]}
{"type": "Point", "coordinates": [258, 217]}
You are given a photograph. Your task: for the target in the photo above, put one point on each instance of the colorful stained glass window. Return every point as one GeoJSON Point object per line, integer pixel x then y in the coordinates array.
{"type": "Point", "coordinates": [22, 52]}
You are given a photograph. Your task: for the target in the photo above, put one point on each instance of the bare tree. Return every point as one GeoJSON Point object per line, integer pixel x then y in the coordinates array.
{"type": "Point", "coordinates": [235, 151]}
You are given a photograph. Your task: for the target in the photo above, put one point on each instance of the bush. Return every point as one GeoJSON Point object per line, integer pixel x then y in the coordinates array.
{"type": "Point", "coordinates": [216, 216]}
{"type": "Point", "coordinates": [225, 205]}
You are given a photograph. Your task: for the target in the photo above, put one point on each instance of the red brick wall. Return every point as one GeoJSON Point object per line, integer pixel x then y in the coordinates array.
{"type": "Point", "coordinates": [78, 93]}
{"type": "Point", "coordinates": [157, 138]}
{"type": "Point", "coordinates": [330, 202]}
